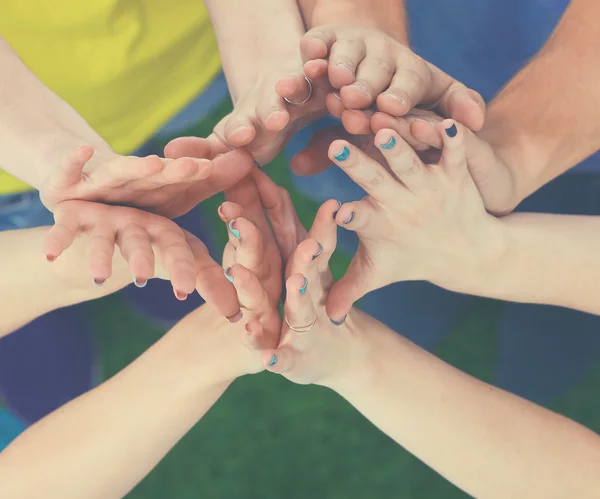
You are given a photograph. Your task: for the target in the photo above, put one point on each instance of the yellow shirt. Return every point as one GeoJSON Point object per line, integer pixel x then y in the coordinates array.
{"type": "Point", "coordinates": [126, 66]}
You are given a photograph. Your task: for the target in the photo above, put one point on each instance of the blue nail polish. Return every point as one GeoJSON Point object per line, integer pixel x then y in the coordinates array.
{"type": "Point", "coordinates": [350, 218]}
{"type": "Point", "coordinates": [226, 272]}
{"type": "Point", "coordinates": [140, 284]}
{"type": "Point", "coordinates": [303, 288]}
{"type": "Point", "coordinates": [390, 144]}
{"type": "Point", "coordinates": [451, 131]}
{"type": "Point", "coordinates": [343, 155]}
{"type": "Point", "coordinates": [336, 323]}
{"type": "Point", "coordinates": [318, 253]}
{"type": "Point", "coordinates": [273, 360]}
{"type": "Point", "coordinates": [235, 232]}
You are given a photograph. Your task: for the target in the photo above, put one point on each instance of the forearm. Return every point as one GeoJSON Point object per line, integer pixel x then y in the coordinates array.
{"type": "Point", "coordinates": [255, 35]}
{"type": "Point", "coordinates": [388, 16]}
{"type": "Point", "coordinates": [545, 120]}
{"type": "Point", "coordinates": [545, 259]}
{"type": "Point", "coordinates": [103, 443]}
{"type": "Point", "coordinates": [36, 126]}
{"type": "Point", "coordinates": [31, 287]}
{"type": "Point", "coordinates": [486, 441]}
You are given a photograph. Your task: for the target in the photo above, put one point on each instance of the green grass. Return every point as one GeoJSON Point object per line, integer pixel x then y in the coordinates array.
{"type": "Point", "coordinates": [267, 438]}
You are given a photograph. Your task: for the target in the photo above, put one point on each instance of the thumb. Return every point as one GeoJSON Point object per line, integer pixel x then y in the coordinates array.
{"type": "Point", "coordinates": [463, 105]}
{"type": "Point", "coordinates": [355, 283]}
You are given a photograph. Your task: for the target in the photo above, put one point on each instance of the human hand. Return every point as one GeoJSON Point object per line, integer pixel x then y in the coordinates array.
{"type": "Point", "coordinates": [371, 68]}
{"type": "Point", "coordinates": [418, 221]}
{"type": "Point", "coordinates": [489, 164]}
{"type": "Point", "coordinates": [150, 245]}
{"type": "Point", "coordinates": [262, 121]}
{"type": "Point", "coordinates": [164, 186]}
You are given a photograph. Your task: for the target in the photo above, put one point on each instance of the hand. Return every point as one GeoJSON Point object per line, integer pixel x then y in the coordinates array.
{"type": "Point", "coordinates": [261, 121]}
{"type": "Point", "coordinates": [182, 257]}
{"type": "Point", "coordinates": [164, 186]}
{"type": "Point", "coordinates": [371, 68]}
{"type": "Point", "coordinates": [322, 351]}
{"type": "Point", "coordinates": [490, 168]}
{"type": "Point", "coordinates": [418, 222]}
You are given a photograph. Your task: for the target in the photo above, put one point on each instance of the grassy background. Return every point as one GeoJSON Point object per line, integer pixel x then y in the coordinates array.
{"type": "Point", "coordinates": [267, 438]}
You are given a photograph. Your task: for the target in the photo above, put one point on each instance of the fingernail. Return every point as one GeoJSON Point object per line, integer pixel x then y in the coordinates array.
{"type": "Point", "coordinates": [235, 232]}
{"type": "Point", "coordinates": [140, 283]}
{"type": "Point", "coordinates": [99, 282]}
{"type": "Point", "coordinates": [303, 288]}
{"type": "Point", "coordinates": [350, 218]}
{"type": "Point", "coordinates": [421, 120]}
{"type": "Point", "coordinates": [345, 66]}
{"type": "Point", "coordinates": [451, 131]}
{"type": "Point", "coordinates": [336, 323]}
{"type": "Point", "coordinates": [257, 165]}
{"type": "Point", "coordinates": [228, 275]}
{"type": "Point", "coordinates": [336, 95]}
{"type": "Point", "coordinates": [318, 253]}
{"type": "Point", "coordinates": [217, 156]}
{"type": "Point", "coordinates": [273, 360]}
{"type": "Point", "coordinates": [389, 144]}
{"type": "Point", "coordinates": [238, 129]}
{"type": "Point", "coordinates": [180, 295]}
{"type": "Point", "coordinates": [236, 318]}
{"type": "Point", "coordinates": [343, 155]}
{"type": "Point", "coordinates": [336, 211]}
{"type": "Point", "coordinates": [50, 258]}
{"type": "Point", "coordinates": [248, 332]}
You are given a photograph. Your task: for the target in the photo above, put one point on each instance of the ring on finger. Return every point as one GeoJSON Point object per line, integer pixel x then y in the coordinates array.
{"type": "Point", "coordinates": [301, 329]}
{"type": "Point", "coordinates": [310, 92]}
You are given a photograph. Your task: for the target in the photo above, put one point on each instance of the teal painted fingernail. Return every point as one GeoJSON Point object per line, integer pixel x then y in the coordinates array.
{"type": "Point", "coordinates": [273, 360]}
{"type": "Point", "coordinates": [226, 272]}
{"type": "Point", "coordinates": [338, 323]}
{"type": "Point", "coordinates": [235, 232]}
{"type": "Point", "coordinates": [139, 283]}
{"type": "Point", "coordinates": [303, 288]}
{"type": "Point", "coordinates": [390, 144]}
{"type": "Point", "coordinates": [343, 155]}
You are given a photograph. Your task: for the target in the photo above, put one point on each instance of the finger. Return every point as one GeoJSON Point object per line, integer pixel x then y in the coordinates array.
{"type": "Point", "coordinates": [299, 310]}
{"type": "Point", "coordinates": [211, 283]}
{"type": "Point", "coordinates": [334, 104]}
{"type": "Point", "coordinates": [136, 248]}
{"type": "Point", "coordinates": [186, 169]}
{"type": "Point", "coordinates": [177, 258]}
{"type": "Point", "coordinates": [463, 105]}
{"type": "Point", "coordinates": [250, 247]}
{"type": "Point", "coordinates": [453, 159]}
{"type": "Point", "coordinates": [357, 216]}
{"type": "Point", "coordinates": [271, 110]}
{"type": "Point", "coordinates": [316, 69]}
{"type": "Point", "coordinates": [237, 128]}
{"type": "Point", "coordinates": [402, 160]}
{"type": "Point", "coordinates": [346, 55]}
{"type": "Point", "coordinates": [62, 234]}
{"type": "Point", "coordinates": [316, 43]}
{"type": "Point", "coordinates": [405, 127]}
{"type": "Point", "coordinates": [302, 260]}
{"type": "Point", "coordinates": [125, 169]}
{"type": "Point", "coordinates": [365, 171]}
{"type": "Point", "coordinates": [324, 232]}
{"type": "Point", "coordinates": [280, 361]}
{"type": "Point", "coordinates": [355, 283]}
{"type": "Point", "coordinates": [100, 251]}
{"type": "Point", "coordinates": [195, 147]}
{"type": "Point", "coordinates": [246, 194]}
{"type": "Point", "coordinates": [251, 294]}
{"type": "Point", "coordinates": [357, 122]}
{"type": "Point", "coordinates": [373, 77]}
{"type": "Point", "coordinates": [71, 168]}
{"type": "Point", "coordinates": [294, 88]}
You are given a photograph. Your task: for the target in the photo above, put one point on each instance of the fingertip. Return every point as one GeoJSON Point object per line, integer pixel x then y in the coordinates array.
{"type": "Point", "coordinates": [312, 47]}
{"type": "Point", "coordinates": [277, 121]}
{"type": "Point", "coordinates": [339, 151]}
{"type": "Point", "coordinates": [356, 122]}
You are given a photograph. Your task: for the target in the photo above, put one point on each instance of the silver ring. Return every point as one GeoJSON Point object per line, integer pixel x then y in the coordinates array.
{"type": "Point", "coordinates": [301, 329]}
{"type": "Point", "coordinates": [310, 92]}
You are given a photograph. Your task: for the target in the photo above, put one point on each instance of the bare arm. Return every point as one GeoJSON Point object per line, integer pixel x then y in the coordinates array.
{"type": "Point", "coordinates": [545, 120]}
{"type": "Point", "coordinates": [388, 16]}
{"type": "Point", "coordinates": [31, 287]}
{"type": "Point", "coordinates": [104, 442]}
{"type": "Point", "coordinates": [36, 126]}
{"type": "Point", "coordinates": [486, 441]}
